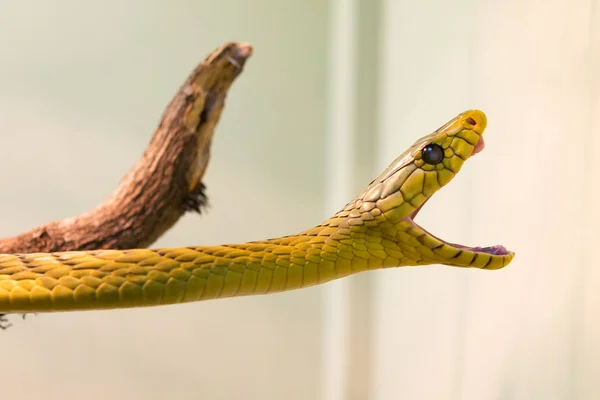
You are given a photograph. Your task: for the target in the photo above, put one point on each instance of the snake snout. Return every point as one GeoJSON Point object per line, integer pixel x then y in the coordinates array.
{"type": "Point", "coordinates": [476, 119]}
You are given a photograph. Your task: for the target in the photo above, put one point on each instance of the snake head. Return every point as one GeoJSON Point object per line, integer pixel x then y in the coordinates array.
{"type": "Point", "coordinates": [392, 201]}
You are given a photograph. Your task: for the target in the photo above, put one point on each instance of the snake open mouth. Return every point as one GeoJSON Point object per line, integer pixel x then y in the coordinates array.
{"type": "Point", "coordinates": [497, 250]}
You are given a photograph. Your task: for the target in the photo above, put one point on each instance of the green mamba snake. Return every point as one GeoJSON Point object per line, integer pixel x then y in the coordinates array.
{"type": "Point", "coordinates": [375, 230]}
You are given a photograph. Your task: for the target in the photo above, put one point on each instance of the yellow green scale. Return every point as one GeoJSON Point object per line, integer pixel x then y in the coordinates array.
{"type": "Point", "coordinates": [371, 232]}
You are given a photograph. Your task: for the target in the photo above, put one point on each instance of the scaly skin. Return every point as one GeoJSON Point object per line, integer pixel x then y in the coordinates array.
{"type": "Point", "coordinates": [375, 230]}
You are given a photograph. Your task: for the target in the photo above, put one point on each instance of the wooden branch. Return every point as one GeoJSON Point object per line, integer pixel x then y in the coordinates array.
{"type": "Point", "coordinates": [165, 183]}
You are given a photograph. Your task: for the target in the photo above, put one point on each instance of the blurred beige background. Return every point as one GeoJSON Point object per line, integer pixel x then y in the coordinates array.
{"type": "Point", "coordinates": [334, 91]}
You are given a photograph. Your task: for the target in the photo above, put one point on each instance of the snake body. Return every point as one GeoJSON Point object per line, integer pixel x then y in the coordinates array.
{"type": "Point", "coordinates": [375, 230]}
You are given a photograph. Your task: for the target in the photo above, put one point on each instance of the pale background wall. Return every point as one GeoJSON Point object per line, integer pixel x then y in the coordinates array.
{"type": "Point", "coordinates": [528, 331]}
{"type": "Point", "coordinates": [82, 86]}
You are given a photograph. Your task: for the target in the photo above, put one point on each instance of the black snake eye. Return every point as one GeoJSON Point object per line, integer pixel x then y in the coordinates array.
{"type": "Point", "coordinates": [433, 154]}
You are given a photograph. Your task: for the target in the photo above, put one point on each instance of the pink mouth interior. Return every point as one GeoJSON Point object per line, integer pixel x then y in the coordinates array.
{"type": "Point", "coordinates": [498, 250]}
{"type": "Point", "coordinates": [479, 146]}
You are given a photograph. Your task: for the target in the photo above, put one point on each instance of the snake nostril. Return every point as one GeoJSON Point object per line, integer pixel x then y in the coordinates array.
{"type": "Point", "coordinates": [471, 121]}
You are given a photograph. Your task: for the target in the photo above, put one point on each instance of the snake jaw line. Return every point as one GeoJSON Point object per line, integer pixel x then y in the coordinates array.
{"type": "Point", "coordinates": [499, 256]}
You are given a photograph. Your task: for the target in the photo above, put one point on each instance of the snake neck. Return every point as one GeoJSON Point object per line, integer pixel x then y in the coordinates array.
{"type": "Point", "coordinates": [357, 238]}
{"type": "Point", "coordinates": [341, 246]}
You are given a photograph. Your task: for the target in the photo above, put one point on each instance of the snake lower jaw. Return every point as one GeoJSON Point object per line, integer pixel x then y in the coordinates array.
{"type": "Point", "coordinates": [459, 255]}
{"type": "Point", "coordinates": [456, 254]}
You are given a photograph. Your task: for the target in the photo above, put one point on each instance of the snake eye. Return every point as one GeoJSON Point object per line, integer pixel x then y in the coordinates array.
{"type": "Point", "coordinates": [433, 154]}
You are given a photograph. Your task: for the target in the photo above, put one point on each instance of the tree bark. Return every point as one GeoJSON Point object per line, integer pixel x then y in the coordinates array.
{"type": "Point", "coordinates": [167, 180]}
